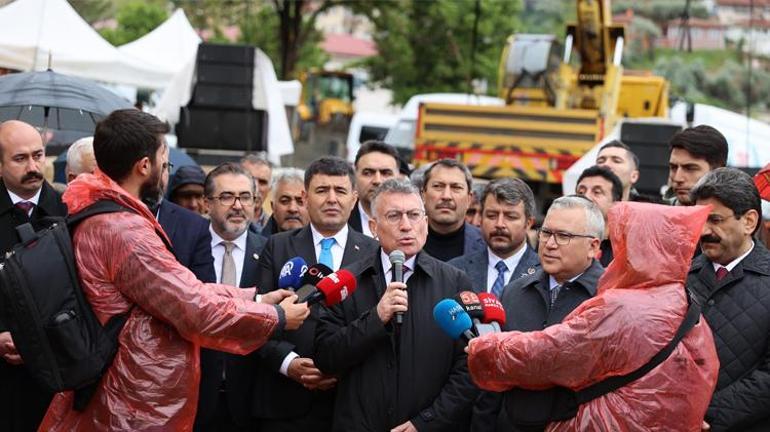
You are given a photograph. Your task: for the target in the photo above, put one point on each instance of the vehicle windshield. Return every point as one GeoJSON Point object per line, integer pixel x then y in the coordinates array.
{"type": "Point", "coordinates": [402, 134]}
{"type": "Point", "coordinates": [332, 87]}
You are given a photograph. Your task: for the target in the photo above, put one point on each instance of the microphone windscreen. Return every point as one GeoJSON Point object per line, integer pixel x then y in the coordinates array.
{"type": "Point", "coordinates": [492, 308]}
{"type": "Point", "coordinates": [397, 257]}
{"type": "Point", "coordinates": [291, 273]}
{"type": "Point", "coordinates": [470, 301]}
{"type": "Point", "coordinates": [314, 274]}
{"type": "Point", "coordinates": [452, 318]}
{"type": "Point", "coordinates": [337, 287]}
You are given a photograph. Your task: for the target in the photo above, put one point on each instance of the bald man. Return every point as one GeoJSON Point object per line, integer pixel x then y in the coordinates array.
{"type": "Point", "coordinates": [25, 196]}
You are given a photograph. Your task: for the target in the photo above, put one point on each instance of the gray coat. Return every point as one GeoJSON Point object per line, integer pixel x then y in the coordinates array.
{"type": "Point", "coordinates": [737, 309]}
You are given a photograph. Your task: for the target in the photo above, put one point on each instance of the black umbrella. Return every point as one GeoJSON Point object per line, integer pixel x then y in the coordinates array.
{"type": "Point", "coordinates": [67, 106]}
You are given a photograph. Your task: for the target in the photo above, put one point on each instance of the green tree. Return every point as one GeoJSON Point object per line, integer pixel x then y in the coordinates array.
{"type": "Point", "coordinates": [429, 46]}
{"type": "Point", "coordinates": [135, 19]}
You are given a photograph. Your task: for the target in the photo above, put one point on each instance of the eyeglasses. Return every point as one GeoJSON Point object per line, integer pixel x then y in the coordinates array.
{"type": "Point", "coordinates": [562, 238]}
{"type": "Point", "coordinates": [228, 199]}
{"type": "Point", "coordinates": [394, 217]}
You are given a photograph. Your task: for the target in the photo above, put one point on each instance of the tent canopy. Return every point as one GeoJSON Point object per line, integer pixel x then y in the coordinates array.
{"type": "Point", "coordinates": [169, 47]}
{"type": "Point", "coordinates": [34, 29]}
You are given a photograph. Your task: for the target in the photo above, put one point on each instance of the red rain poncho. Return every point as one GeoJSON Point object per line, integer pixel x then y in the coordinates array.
{"type": "Point", "coordinates": [640, 304]}
{"type": "Point", "coordinates": [153, 382]}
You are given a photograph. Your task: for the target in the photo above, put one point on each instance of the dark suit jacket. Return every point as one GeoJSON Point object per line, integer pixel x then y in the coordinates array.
{"type": "Point", "coordinates": [190, 236]}
{"type": "Point", "coordinates": [354, 221]}
{"type": "Point", "coordinates": [392, 374]}
{"type": "Point", "coordinates": [476, 266]}
{"type": "Point", "coordinates": [277, 396]}
{"type": "Point", "coordinates": [22, 402]}
{"type": "Point", "coordinates": [239, 369]}
{"type": "Point", "coordinates": [474, 242]}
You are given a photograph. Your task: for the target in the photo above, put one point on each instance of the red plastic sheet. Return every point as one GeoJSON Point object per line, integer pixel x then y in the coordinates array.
{"type": "Point", "coordinates": [641, 302]}
{"type": "Point", "coordinates": [153, 382]}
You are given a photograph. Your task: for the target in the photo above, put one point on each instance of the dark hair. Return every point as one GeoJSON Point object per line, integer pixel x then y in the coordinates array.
{"type": "Point", "coordinates": [512, 191]}
{"type": "Point", "coordinates": [448, 163]}
{"type": "Point", "coordinates": [123, 138]}
{"type": "Point", "coordinates": [604, 172]}
{"type": "Point", "coordinates": [620, 144]}
{"type": "Point", "coordinates": [732, 187]}
{"type": "Point", "coordinates": [703, 142]}
{"type": "Point", "coordinates": [226, 168]}
{"type": "Point", "coordinates": [374, 146]}
{"type": "Point", "coordinates": [331, 166]}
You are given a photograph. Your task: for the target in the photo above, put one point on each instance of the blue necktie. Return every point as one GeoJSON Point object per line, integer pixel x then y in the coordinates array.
{"type": "Point", "coordinates": [325, 257]}
{"type": "Point", "coordinates": [497, 287]}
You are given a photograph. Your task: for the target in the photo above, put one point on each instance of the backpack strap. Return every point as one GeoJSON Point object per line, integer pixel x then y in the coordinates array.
{"type": "Point", "coordinates": [613, 383]}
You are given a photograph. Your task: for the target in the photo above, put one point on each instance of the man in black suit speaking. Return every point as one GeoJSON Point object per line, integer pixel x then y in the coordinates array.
{"type": "Point", "coordinates": [226, 386]}
{"type": "Point", "coordinates": [396, 377]}
{"type": "Point", "coordinates": [291, 394]}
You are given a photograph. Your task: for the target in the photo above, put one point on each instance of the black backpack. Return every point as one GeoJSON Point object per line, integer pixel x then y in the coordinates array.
{"type": "Point", "coordinates": [63, 345]}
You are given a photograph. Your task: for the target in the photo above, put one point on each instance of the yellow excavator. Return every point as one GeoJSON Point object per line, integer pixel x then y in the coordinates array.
{"type": "Point", "coordinates": [557, 108]}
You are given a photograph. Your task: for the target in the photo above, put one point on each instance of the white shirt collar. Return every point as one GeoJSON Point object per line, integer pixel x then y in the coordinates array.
{"type": "Point", "coordinates": [552, 282]}
{"type": "Point", "coordinates": [15, 198]}
{"type": "Point", "coordinates": [364, 220]}
{"type": "Point", "coordinates": [341, 237]}
{"type": "Point", "coordinates": [511, 262]}
{"type": "Point", "coordinates": [734, 262]}
{"type": "Point", "coordinates": [240, 241]}
{"type": "Point", "coordinates": [386, 262]}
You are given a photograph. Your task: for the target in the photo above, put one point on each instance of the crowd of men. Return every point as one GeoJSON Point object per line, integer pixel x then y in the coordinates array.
{"type": "Point", "coordinates": [377, 361]}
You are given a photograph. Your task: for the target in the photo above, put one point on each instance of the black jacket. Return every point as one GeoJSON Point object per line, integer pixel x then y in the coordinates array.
{"type": "Point", "coordinates": [239, 369]}
{"type": "Point", "coordinates": [354, 221]}
{"type": "Point", "coordinates": [526, 302]}
{"type": "Point", "coordinates": [392, 375]}
{"type": "Point", "coordinates": [737, 309]}
{"type": "Point", "coordinates": [275, 395]}
{"type": "Point", "coordinates": [190, 236]}
{"type": "Point", "coordinates": [22, 402]}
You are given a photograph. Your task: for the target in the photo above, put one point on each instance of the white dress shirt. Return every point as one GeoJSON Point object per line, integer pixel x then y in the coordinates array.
{"type": "Point", "coordinates": [732, 263]}
{"type": "Point", "coordinates": [364, 221]}
{"type": "Point", "coordinates": [34, 200]}
{"type": "Point", "coordinates": [388, 273]}
{"type": "Point", "coordinates": [338, 248]}
{"type": "Point", "coordinates": [218, 252]}
{"type": "Point", "coordinates": [511, 262]}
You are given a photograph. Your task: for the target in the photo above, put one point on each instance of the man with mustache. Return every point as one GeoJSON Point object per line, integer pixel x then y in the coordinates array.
{"type": "Point", "coordinates": [694, 152]}
{"type": "Point", "coordinates": [227, 380]}
{"type": "Point", "coordinates": [731, 280]}
{"type": "Point", "coordinates": [289, 203]}
{"type": "Point", "coordinates": [291, 393]}
{"type": "Point", "coordinates": [568, 242]}
{"type": "Point", "coordinates": [24, 197]}
{"type": "Point", "coordinates": [446, 191]}
{"type": "Point", "coordinates": [375, 162]}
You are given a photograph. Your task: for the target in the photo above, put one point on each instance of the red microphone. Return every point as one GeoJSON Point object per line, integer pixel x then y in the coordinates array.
{"type": "Point", "coordinates": [494, 312]}
{"type": "Point", "coordinates": [333, 289]}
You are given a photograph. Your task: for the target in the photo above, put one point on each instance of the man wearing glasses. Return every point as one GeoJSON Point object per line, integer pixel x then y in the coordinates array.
{"type": "Point", "coordinates": [226, 384]}
{"type": "Point", "coordinates": [291, 393]}
{"type": "Point", "coordinates": [397, 377]}
{"type": "Point", "coordinates": [568, 243]}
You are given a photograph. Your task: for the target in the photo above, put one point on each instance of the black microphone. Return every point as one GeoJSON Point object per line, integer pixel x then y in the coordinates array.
{"type": "Point", "coordinates": [397, 259]}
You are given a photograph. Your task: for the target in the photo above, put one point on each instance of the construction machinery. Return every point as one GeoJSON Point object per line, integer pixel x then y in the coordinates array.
{"type": "Point", "coordinates": [557, 108]}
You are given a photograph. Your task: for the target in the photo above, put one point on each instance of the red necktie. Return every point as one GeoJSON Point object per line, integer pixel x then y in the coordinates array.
{"type": "Point", "coordinates": [722, 273]}
{"type": "Point", "coordinates": [25, 206]}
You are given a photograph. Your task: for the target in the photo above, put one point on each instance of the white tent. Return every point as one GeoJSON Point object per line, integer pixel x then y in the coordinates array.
{"type": "Point", "coordinates": [169, 47]}
{"type": "Point", "coordinates": [33, 30]}
{"type": "Point", "coordinates": [266, 96]}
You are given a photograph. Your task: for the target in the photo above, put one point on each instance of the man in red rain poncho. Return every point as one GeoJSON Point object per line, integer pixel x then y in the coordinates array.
{"type": "Point", "coordinates": [124, 266]}
{"type": "Point", "coordinates": [640, 303]}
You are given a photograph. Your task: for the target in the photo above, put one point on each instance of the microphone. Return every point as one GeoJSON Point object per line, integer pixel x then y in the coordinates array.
{"type": "Point", "coordinates": [453, 320]}
{"type": "Point", "coordinates": [291, 273]}
{"type": "Point", "coordinates": [494, 312]}
{"type": "Point", "coordinates": [397, 259]}
{"type": "Point", "coordinates": [472, 306]}
{"type": "Point", "coordinates": [314, 274]}
{"type": "Point", "coordinates": [332, 289]}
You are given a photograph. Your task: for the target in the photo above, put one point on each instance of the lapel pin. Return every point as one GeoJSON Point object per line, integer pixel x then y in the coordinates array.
{"type": "Point", "coordinates": [531, 270]}
{"type": "Point", "coordinates": [256, 256]}
{"type": "Point", "coordinates": [355, 247]}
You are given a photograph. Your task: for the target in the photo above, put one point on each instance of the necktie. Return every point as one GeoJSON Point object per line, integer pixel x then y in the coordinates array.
{"type": "Point", "coordinates": [228, 265]}
{"type": "Point", "coordinates": [325, 257]}
{"type": "Point", "coordinates": [722, 273]}
{"type": "Point", "coordinates": [497, 287]}
{"type": "Point", "coordinates": [25, 206]}
{"type": "Point", "coordinates": [555, 293]}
